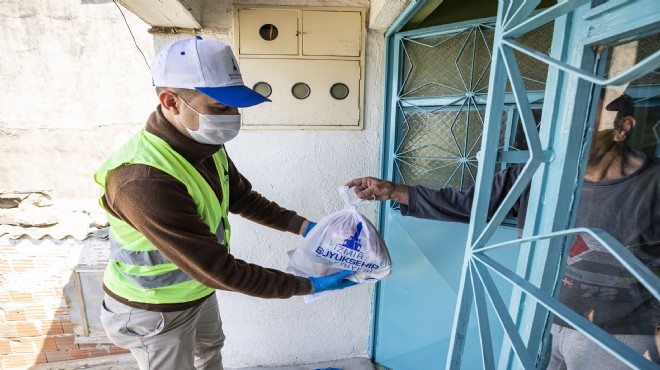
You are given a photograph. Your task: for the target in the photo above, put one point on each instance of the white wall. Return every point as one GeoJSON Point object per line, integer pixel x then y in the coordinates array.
{"type": "Point", "coordinates": [78, 87]}
{"type": "Point", "coordinates": [302, 170]}
{"type": "Point", "coordinates": [72, 81]}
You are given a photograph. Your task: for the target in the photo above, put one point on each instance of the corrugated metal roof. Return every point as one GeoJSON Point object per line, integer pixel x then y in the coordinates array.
{"type": "Point", "coordinates": [35, 215]}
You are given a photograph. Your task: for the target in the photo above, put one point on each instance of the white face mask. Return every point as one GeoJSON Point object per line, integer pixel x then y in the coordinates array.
{"type": "Point", "coordinates": [214, 129]}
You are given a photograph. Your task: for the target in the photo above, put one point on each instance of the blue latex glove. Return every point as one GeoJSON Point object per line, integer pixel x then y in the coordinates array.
{"type": "Point", "coordinates": [310, 226]}
{"type": "Point", "coordinates": [331, 282]}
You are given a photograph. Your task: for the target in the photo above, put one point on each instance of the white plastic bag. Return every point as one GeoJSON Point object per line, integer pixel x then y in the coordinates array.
{"type": "Point", "coordinates": [342, 240]}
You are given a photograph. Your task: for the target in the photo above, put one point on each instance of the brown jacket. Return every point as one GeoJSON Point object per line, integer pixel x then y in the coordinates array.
{"type": "Point", "coordinates": [159, 207]}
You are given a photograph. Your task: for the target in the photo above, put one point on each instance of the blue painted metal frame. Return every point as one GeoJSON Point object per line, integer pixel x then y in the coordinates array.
{"type": "Point", "coordinates": [627, 259]}
{"type": "Point", "coordinates": [536, 214]}
{"type": "Point", "coordinates": [572, 105]}
{"type": "Point", "coordinates": [553, 170]}
{"type": "Point", "coordinates": [391, 104]}
{"type": "Point", "coordinates": [486, 169]}
{"type": "Point", "coordinates": [389, 130]}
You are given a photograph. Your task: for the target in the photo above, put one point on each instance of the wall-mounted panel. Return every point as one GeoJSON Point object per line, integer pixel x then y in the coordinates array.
{"type": "Point", "coordinates": [307, 60]}
{"type": "Point", "coordinates": [316, 109]}
{"type": "Point", "coordinates": [268, 31]}
{"type": "Point", "coordinates": [332, 33]}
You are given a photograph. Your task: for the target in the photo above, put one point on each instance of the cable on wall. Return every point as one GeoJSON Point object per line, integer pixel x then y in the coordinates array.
{"type": "Point", "coordinates": [131, 32]}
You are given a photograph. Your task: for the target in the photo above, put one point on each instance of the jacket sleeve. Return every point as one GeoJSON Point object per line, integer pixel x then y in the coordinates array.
{"type": "Point", "coordinates": [159, 207]}
{"type": "Point", "coordinates": [253, 206]}
{"type": "Point", "coordinates": [447, 204]}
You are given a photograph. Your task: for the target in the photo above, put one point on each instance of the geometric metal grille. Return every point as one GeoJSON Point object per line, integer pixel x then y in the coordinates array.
{"type": "Point", "coordinates": [459, 62]}
{"type": "Point", "coordinates": [439, 147]}
{"type": "Point", "coordinates": [534, 72]}
{"type": "Point", "coordinates": [439, 114]}
{"type": "Point", "coordinates": [477, 287]}
{"type": "Point", "coordinates": [441, 103]}
{"type": "Point", "coordinates": [450, 64]}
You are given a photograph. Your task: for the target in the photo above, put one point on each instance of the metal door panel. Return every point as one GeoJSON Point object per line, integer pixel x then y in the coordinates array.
{"type": "Point", "coordinates": [416, 303]}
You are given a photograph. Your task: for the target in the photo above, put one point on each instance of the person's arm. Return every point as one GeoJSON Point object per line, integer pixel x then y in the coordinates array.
{"type": "Point", "coordinates": [253, 206]}
{"type": "Point", "coordinates": [444, 204]}
{"type": "Point", "coordinates": [159, 206]}
{"type": "Point", "coordinates": [371, 188]}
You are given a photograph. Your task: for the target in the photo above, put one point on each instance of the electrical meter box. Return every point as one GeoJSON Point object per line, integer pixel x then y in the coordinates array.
{"type": "Point", "coordinates": [308, 61]}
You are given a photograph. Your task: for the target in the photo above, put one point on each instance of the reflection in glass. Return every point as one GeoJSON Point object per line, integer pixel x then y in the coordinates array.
{"type": "Point", "coordinates": [620, 195]}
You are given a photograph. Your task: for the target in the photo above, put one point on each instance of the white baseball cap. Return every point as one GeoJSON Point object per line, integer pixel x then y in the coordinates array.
{"type": "Point", "coordinates": [204, 65]}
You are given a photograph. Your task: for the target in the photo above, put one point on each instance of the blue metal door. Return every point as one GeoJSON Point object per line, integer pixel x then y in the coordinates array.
{"type": "Point", "coordinates": [438, 112]}
{"type": "Point", "coordinates": [438, 102]}
{"type": "Point", "coordinates": [416, 304]}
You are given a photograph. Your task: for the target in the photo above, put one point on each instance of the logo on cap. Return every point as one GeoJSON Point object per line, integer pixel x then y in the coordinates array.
{"type": "Point", "coordinates": [236, 75]}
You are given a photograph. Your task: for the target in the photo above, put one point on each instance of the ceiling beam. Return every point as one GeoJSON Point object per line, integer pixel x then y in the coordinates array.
{"type": "Point", "coordinates": [167, 13]}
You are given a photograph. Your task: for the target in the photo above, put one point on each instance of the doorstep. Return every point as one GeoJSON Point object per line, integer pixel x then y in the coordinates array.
{"type": "Point", "coordinates": [355, 363]}
{"type": "Point", "coordinates": [126, 362]}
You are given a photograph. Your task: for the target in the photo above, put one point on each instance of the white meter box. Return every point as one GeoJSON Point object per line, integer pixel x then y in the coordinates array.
{"type": "Point", "coordinates": [307, 60]}
{"type": "Point", "coordinates": [314, 105]}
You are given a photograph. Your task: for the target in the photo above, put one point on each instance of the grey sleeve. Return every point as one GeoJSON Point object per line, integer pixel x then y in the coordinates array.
{"type": "Point", "coordinates": [447, 204]}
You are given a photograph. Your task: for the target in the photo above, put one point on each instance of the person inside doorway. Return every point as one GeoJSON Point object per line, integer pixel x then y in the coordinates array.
{"type": "Point", "coordinates": [621, 195]}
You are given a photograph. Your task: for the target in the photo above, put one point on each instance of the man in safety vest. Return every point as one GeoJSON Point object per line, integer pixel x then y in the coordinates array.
{"type": "Point", "coordinates": [167, 193]}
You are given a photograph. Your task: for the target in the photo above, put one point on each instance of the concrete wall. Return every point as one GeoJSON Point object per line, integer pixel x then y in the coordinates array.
{"type": "Point", "coordinates": [302, 170]}
{"type": "Point", "coordinates": [77, 87]}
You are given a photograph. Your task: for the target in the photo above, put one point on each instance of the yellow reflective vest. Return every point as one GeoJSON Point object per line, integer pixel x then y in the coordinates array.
{"type": "Point", "coordinates": [137, 271]}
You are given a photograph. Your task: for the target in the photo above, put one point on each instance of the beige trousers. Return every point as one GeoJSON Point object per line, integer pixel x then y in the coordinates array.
{"type": "Point", "coordinates": [181, 340]}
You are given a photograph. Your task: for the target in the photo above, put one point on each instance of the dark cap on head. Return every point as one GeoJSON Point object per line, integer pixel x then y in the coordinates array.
{"type": "Point", "coordinates": [623, 105]}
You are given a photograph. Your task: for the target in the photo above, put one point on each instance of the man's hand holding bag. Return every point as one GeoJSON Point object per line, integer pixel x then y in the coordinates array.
{"type": "Point", "coordinates": [343, 240]}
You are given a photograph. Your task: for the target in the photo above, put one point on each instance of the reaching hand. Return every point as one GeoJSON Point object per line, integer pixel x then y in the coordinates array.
{"type": "Point", "coordinates": [331, 282]}
{"type": "Point", "coordinates": [377, 189]}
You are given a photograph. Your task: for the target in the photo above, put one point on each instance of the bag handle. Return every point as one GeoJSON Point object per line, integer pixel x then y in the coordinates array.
{"type": "Point", "coordinates": [348, 199]}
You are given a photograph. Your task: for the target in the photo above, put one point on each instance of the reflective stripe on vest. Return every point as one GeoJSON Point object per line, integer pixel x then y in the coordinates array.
{"type": "Point", "coordinates": [150, 258]}
{"type": "Point", "coordinates": [159, 281]}
{"type": "Point", "coordinates": [136, 258]}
